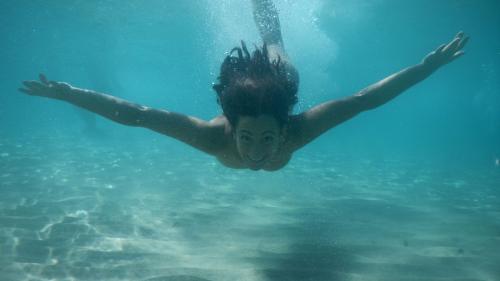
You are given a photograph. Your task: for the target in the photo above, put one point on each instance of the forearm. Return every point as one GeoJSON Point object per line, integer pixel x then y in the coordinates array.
{"type": "Point", "coordinates": [390, 87]}
{"type": "Point", "coordinates": [131, 114]}
{"type": "Point", "coordinates": [113, 108]}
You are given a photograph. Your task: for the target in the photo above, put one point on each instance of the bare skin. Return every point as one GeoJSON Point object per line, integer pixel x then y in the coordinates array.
{"type": "Point", "coordinates": [255, 142]}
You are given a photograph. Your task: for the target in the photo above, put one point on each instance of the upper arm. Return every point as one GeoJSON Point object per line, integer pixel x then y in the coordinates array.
{"type": "Point", "coordinates": [310, 124]}
{"type": "Point", "coordinates": [200, 134]}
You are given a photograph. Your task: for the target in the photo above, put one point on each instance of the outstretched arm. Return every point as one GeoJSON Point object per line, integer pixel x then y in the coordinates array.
{"type": "Point", "coordinates": [312, 123]}
{"type": "Point", "coordinates": [193, 131]}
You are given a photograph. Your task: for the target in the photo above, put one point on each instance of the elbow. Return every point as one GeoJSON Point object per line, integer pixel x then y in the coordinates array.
{"type": "Point", "coordinates": [362, 102]}
{"type": "Point", "coordinates": [369, 99]}
{"type": "Point", "coordinates": [140, 116]}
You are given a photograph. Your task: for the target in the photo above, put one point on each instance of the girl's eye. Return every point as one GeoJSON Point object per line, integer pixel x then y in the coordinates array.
{"type": "Point", "coordinates": [245, 138]}
{"type": "Point", "coordinates": [268, 139]}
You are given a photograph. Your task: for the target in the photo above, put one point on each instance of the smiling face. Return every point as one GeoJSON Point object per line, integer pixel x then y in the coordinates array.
{"type": "Point", "coordinates": [258, 139]}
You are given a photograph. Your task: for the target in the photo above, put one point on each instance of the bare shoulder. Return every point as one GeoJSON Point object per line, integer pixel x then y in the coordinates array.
{"type": "Point", "coordinates": [219, 120]}
{"type": "Point", "coordinates": [227, 153]}
{"type": "Point", "coordinates": [294, 134]}
{"type": "Point", "coordinates": [218, 134]}
{"type": "Point", "coordinates": [220, 126]}
{"type": "Point", "coordinates": [310, 124]}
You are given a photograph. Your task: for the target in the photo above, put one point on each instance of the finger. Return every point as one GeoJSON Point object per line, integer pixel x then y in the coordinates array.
{"type": "Point", "coordinates": [26, 91]}
{"type": "Point", "coordinates": [34, 86]}
{"type": "Point", "coordinates": [43, 78]}
{"type": "Point", "coordinates": [440, 48]}
{"type": "Point", "coordinates": [459, 34]}
{"type": "Point", "coordinates": [452, 46]}
{"type": "Point", "coordinates": [463, 42]}
{"type": "Point", "coordinates": [458, 54]}
{"type": "Point", "coordinates": [30, 84]}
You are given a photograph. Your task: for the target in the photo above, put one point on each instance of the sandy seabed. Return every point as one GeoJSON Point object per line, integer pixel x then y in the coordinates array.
{"type": "Point", "coordinates": [73, 210]}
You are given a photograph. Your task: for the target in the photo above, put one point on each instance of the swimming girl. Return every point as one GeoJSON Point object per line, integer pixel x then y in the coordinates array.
{"type": "Point", "coordinates": [257, 92]}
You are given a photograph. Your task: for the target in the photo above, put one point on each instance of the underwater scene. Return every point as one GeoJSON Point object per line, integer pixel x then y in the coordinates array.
{"type": "Point", "coordinates": [406, 191]}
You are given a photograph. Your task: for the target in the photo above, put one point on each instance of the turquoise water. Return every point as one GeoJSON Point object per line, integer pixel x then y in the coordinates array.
{"type": "Point", "coordinates": [409, 191]}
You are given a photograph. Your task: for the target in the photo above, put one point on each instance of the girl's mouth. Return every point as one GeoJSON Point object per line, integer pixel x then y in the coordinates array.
{"type": "Point", "coordinates": [257, 161]}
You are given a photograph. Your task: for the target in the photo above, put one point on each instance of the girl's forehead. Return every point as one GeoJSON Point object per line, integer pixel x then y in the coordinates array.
{"type": "Point", "coordinates": [259, 124]}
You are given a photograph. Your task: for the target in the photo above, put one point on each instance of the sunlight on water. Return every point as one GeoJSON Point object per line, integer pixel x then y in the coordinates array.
{"type": "Point", "coordinates": [324, 217]}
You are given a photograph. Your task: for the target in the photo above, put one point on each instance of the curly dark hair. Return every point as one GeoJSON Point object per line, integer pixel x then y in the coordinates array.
{"type": "Point", "coordinates": [251, 85]}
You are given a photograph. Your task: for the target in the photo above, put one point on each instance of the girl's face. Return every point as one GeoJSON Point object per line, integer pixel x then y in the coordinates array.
{"type": "Point", "coordinates": [257, 139]}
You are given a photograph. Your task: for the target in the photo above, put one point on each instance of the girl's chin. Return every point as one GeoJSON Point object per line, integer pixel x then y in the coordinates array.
{"type": "Point", "coordinates": [256, 165]}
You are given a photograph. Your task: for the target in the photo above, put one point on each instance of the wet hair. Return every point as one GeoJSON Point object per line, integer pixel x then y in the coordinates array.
{"type": "Point", "coordinates": [251, 85]}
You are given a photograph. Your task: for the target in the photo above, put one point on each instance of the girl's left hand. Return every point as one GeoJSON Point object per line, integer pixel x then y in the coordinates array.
{"type": "Point", "coordinates": [447, 53]}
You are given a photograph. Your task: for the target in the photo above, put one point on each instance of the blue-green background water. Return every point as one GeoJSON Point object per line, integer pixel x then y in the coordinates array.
{"type": "Point", "coordinates": [166, 54]}
{"type": "Point", "coordinates": [408, 191]}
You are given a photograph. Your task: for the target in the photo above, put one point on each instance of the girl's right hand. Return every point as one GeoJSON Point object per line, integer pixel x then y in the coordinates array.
{"type": "Point", "coordinates": [46, 88]}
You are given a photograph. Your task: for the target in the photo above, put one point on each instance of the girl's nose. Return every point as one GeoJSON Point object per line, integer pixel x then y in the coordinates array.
{"type": "Point", "coordinates": [257, 153]}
